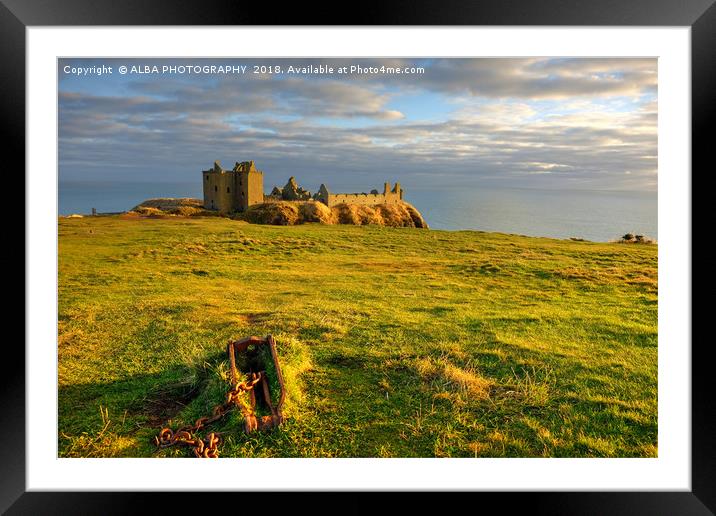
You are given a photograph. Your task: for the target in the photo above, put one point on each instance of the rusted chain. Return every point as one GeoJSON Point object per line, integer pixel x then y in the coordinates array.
{"type": "Point", "coordinates": [276, 417]}
{"type": "Point", "coordinates": [207, 448]}
{"type": "Point", "coordinates": [235, 398]}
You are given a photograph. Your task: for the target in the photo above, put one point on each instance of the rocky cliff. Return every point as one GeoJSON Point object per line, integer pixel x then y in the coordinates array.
{"type": "Point", "coordinates": [400, 214]}
{"type": "Point", "coordinates": [284, 213]}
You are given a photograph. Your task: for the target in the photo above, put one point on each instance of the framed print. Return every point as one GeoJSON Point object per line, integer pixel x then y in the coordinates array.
{"type": "Point", "coordinates": [446, 250]}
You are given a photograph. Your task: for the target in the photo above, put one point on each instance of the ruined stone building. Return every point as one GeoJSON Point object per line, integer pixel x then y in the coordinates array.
{"type": "Point", "coordinates": [293, 192]}
{"type": "Point", "coordinates": [389, 196]}
{"type": "Point", "coordinates": [233, 190]}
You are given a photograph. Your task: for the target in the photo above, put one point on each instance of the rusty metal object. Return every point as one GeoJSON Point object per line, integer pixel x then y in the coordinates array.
{"type": "Point", "coordinates": [255, 351]}
{"type": "Point", "coordinates": [256, 355]}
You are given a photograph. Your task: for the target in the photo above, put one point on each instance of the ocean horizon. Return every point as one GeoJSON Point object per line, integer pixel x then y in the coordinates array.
{"type": "Point", "coordinates": [595, 215]}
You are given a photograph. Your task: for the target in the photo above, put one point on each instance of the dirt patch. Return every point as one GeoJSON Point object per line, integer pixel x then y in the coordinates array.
{"type": "Point", "coordinates": [162, 410]}
{"type": "Point", "coordinates": [166, 400]}
{"type": "Point", "coordinates": [165, 404]}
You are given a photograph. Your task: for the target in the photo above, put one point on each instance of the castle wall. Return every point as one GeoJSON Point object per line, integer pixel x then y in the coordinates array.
{"type": "Point", "coordinates": [219, 190]}
{"type": "Point", "coordinates": [387, 197]}
{"type": "Point", "coordinates": [242, 190]}
{"type": "Point", "coordinates": [227, 191]}
{"type": "Point", "coordinates": [361, 199]}
{"type": "Point", "coordinates": [252, 189]}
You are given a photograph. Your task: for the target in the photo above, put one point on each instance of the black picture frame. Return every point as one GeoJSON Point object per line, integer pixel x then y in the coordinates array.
{"type": "Point", "coordinates": [700, 15]}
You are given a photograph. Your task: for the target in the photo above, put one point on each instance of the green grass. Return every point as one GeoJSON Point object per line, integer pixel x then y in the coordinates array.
{"type": "Point", "coordinates": [393, 342]}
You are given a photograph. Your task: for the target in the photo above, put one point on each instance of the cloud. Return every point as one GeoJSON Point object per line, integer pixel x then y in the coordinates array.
{"type": "Point", "coordinates": [541, 78]}
{"type": "Point", "coordinates": [518, 121]}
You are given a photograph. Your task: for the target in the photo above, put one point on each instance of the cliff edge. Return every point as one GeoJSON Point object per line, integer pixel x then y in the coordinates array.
{"type": "Point", "coordinates": [401, 214]}
{"type": "Point", "coordinates": [289, 213]}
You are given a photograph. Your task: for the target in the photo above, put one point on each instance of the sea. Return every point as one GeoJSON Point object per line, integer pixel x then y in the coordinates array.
{"type": "Point", "coordinates": [598, 216]}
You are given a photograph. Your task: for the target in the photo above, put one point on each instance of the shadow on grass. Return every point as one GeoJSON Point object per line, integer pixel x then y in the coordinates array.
{"type": "Point", "coordinates": [136, 406]}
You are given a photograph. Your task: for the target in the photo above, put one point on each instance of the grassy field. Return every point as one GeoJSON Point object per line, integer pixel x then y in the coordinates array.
{"type": "Point", "coordinates": [394, 342]}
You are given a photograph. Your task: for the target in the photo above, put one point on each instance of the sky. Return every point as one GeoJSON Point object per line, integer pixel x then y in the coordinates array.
{"type": "Point", "coordinates": [551, 123]}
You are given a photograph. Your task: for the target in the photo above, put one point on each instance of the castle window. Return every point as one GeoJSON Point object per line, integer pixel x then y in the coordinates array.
{"type": "Point", "coordinates": [207, 178]}
{"type": "Point", "coordinates": [228, 190]}
{"type": "Point", "coordinates": [216, 188]}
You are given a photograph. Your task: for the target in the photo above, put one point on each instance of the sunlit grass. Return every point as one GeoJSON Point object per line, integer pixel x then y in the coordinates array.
{"type": "Point", "coordinates": [394, 342]}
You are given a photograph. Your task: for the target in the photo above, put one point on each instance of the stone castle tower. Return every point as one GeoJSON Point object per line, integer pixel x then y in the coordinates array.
{"type": "Point", "coordinates": [233, 190]}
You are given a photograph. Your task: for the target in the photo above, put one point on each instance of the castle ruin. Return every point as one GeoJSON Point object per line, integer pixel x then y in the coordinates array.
{"type": "Point", "coordinates": [293, 192]}
{"type": "Point", "coordinates": [233, 190]}
{"type": "Point", "coordinates": [389, 196]}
